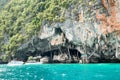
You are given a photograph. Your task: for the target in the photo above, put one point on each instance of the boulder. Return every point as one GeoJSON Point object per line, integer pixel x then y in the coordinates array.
{"type": "Point", "coordinates": [60, 58]}
{"type": "Point", "coordinates": [44, 60]}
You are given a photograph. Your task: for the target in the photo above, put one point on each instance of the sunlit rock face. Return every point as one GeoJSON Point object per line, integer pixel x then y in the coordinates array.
{"type": "Point", "coordinates": [79, 26]}
{"type": "Point", "coordinates": [88, 27]}
{"type": "Point", "coordinates": [118, 10]}
{"type": "Point", "coordinates": [110, 21]}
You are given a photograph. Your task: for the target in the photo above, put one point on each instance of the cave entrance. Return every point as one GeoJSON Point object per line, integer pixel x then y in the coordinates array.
{"type": "Point", "coordinates": [62, 55]}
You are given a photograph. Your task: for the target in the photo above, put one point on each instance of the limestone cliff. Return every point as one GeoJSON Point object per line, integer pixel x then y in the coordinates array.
{"type": "Point", "coordinates": [89, 32]}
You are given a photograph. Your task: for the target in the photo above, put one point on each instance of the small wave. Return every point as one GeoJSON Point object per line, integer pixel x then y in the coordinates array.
{"type": "Point", "coordinates": [2, 69]}
{"type": "Point", "coordinates": [37, 63]}
{"type": "Point", "coordinates": [99, 75]}
{"type": "Point", "coordinates": [63, 75]}
{"type": "Point", "coordinates": [13, 65]}
{"type": "Point", "coordinates": [55, 72]}
{"type": "Point", "coordinates": [41, 79]}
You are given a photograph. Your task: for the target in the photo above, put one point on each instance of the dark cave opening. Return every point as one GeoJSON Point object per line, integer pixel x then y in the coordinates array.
{"type": "Point", "coordinates": [62, 55]}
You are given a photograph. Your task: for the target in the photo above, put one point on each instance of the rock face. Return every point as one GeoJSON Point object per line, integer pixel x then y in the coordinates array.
{"type": "Point", "coordinates": [44, 60]}
{"type": "Point", "coordinates": [80, 31]}
{"type": "Point", "coordinates": [60, 57]}
{"type": "Point", "coordinates": [2, 62]}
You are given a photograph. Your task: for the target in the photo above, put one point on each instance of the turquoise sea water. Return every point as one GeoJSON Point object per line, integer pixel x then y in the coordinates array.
{"type": "Point", "coordinates": [61, 72]}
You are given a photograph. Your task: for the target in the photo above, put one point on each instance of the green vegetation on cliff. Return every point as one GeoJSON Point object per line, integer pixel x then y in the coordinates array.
{"type": "Point", "coordinates": [22, 19]}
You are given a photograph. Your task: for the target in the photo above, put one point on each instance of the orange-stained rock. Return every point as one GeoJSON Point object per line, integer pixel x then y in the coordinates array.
{"type": "Point", "coordinates": [81, 17]}
{"type": "Point", "coordinates": [109, 23]}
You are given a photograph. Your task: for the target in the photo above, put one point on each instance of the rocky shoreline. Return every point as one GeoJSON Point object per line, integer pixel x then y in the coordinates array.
{"type": "Point", "coordinates": [63, 55]}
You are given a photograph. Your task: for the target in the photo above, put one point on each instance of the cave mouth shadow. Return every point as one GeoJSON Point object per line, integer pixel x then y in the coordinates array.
{"type": "Point", "coordinates": [62, 55]}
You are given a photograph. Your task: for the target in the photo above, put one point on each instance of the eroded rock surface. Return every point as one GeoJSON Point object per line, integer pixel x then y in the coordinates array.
{"type": "Point", "coordinates": [82, 31]}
